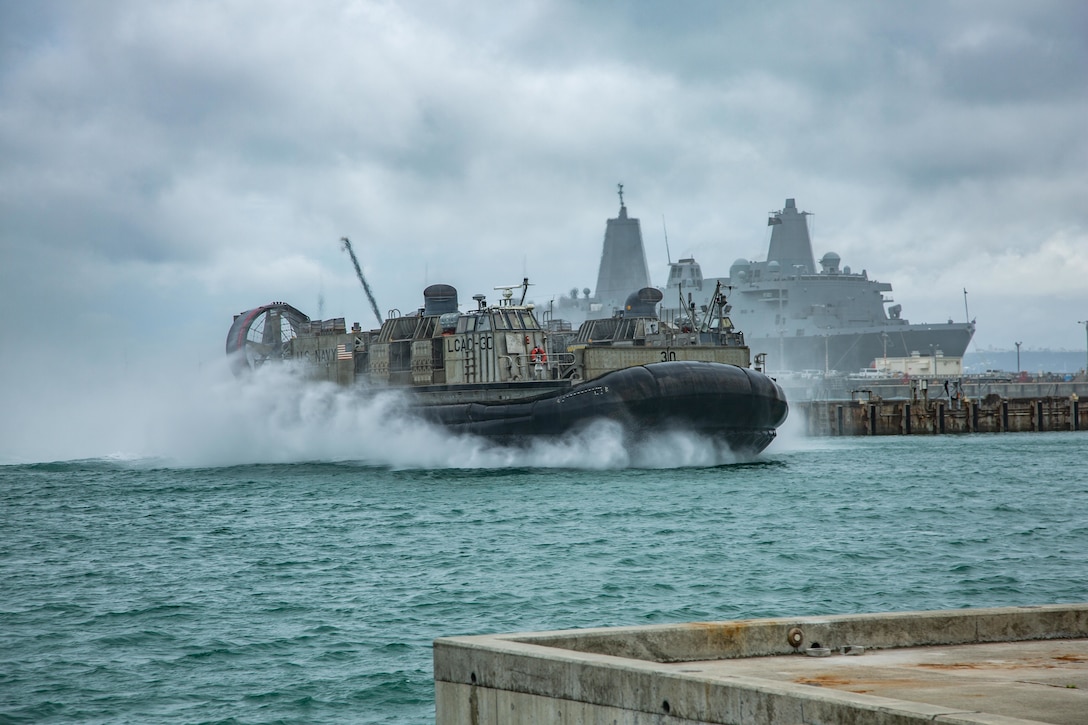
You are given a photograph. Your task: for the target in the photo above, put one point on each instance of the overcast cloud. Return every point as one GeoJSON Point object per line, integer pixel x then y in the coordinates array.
{"type": "Point", "coordinates": [166, 165]}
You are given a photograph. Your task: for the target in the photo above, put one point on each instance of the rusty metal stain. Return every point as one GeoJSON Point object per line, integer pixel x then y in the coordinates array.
{"type": "Point", "coordinates": [722, 634]}
{"type": "Point", "coordinates": [838, 683]}
{"type": "Point", "coordinates": [1071, 658]}
{"type": "Point", "coordinates": [1036, 663]}
{"type": "Point", "coordinates": [964, 665]}
{"type": "Point", "coordinates": [824, 681]}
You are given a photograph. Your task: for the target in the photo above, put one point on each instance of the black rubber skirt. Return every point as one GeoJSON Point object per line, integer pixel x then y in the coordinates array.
{"type": "Point", "coordinates": [739, 405]}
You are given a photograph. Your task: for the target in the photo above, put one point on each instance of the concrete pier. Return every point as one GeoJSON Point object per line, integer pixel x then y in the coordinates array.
{"type": "Point", "coordinates": [1001, 666]}
{"type": "Point", "coordinates": [869, 414]}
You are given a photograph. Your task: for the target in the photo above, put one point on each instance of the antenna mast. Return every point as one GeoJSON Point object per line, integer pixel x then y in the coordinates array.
{"type": "Point", "coordinates": [668, 255]}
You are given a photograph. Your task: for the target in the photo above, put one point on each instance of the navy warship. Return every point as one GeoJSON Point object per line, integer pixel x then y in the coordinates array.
{"type": "Point", "coordinates": [809, 319]}
{"type": "Point", "coordinates": [494, 371]}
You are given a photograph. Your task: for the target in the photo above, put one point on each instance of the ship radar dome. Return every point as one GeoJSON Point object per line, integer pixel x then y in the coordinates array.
{"type": "Point", "coordinates": [438, 299]}
{"type": "Point", "coordinates": [740, 268]}
{"type": "Point", "coordinates": [830, 263]}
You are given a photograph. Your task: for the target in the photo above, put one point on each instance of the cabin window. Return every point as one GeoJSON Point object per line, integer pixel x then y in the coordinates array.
{"type": "Point", "coordinates": [467, 323]}
{"type": "Point", "coordinates": [500, 322]}
{"type": "Point", "coordinates": [514, 320]}
{"type": "Point", "coordinates": [527, 320]}
{"type": "Point", "coordinates": [483, 323]}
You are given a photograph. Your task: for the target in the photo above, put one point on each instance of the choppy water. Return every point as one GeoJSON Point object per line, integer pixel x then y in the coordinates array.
{"type": "Point", "coordinates": [162, 588]}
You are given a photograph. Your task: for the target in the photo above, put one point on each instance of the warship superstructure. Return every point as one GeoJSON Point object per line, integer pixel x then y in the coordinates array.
{"type": "Point", "coordinates": [623, 267]}
{"type": "Point", "coordinates": [812, 319]}
{"type": "Point", "coordinates": [622, 271]}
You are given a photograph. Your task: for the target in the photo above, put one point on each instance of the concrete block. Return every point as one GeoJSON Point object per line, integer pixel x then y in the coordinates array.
{"type": "Point", "coordinates": [748, 671]}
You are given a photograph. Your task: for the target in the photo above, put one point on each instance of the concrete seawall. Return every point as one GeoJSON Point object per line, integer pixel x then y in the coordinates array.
{"type": "Point", "coordinates": [868, 414]}
{"type": "Point", "coordinates": [995, 666]}
{"type": "Point", "coordinates": [842, 388]}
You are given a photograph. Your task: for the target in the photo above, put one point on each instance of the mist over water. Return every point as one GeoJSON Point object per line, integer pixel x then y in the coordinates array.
{"type": "Point", "coordinates": [209, 417]}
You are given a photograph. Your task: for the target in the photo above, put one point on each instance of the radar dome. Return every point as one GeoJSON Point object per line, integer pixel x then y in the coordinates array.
{"type": "Point", "coordinates": [830, 263]}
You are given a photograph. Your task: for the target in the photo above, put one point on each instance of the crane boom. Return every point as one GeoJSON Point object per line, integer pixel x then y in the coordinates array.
{"type": "Point", "coordinates": [359, 273]}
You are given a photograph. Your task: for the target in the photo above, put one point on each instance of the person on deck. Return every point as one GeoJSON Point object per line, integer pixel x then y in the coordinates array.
{"type": "Point", "coordinates": [538, 358]}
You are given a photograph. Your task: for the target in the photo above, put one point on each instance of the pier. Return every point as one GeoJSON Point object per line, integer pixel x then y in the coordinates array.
{"type": "Point", "coordinates": [927, 407]}
{"type": "Point", "coordinates": [1012, 665]}
{"type": "Point", "coordinates": [869, 415]}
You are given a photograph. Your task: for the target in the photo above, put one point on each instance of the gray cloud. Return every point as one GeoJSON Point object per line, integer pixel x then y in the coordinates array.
{"type": "Point", "coordinates": [167, 165]}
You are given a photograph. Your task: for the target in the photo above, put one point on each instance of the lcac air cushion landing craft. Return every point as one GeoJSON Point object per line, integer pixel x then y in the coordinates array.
{"type": "Point", "coordinates": [494, 371]}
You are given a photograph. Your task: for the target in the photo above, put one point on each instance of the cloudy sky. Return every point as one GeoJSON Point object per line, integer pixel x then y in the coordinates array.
{"type": "Point", "coordinates": [166, 165]}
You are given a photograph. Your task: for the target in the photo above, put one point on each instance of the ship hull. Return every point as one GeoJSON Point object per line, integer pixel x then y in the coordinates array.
{"type": "Point", "coordinates": [736, 405]}
{"type": "Point", "coordinates": [850, 351]}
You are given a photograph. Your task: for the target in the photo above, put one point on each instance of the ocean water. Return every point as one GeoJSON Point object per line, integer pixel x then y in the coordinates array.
{"type": "Point", "coordinates": [254, 558]}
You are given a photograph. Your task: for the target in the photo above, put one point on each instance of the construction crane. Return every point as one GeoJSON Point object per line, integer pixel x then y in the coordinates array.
{"type": "Point", "coordinates": [359, 273]}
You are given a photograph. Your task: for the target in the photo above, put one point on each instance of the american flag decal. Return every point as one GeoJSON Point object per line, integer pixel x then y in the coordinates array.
{"type": "Point", "coordinates": [342, 352]}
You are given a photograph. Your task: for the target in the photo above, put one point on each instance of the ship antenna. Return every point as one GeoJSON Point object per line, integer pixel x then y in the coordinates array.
{"type": "Point", "coordinates": [621, 194]}
{"type": "Point", "coordinates": [710, 308]}
{"type": "Point", "coordinates": [965, 312]}
{"type": "Point", "coordinates": [668, 255]}
{"type": "Point", "coordinates": [359, 273]}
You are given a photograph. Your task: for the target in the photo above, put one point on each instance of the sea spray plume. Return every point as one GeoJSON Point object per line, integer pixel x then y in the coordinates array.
{"type": "Point", "coordinates": [682, 449]}
{"type": "Point", "coordinates": [602, 445]}
{"type": "Point", "coordinates": [207, 417]}
{"type": "Point", "coordinates": [793, 436]}
{"type": "Point", "coordinates": [101, 410]}
{"type": "Point", "coordinates": [599, 446]}
{"type": "Point", "coordinates": [275, 415]}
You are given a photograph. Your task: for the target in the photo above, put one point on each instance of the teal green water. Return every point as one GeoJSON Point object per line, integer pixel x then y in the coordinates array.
{"type": "Point", "coordinates": [139, 591]}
